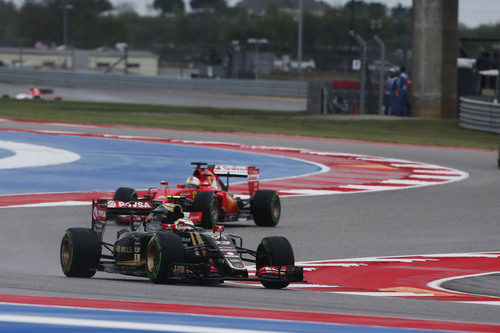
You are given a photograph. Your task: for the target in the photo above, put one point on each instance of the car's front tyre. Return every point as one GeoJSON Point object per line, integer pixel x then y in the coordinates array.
{"type": "Point", "coordinates": [274, 251]}
{"type": "Point", "coordinates": [164, 248]}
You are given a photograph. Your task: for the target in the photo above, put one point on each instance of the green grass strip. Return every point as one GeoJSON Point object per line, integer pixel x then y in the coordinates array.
{"type": "Point", "coordinates": [441, 132]}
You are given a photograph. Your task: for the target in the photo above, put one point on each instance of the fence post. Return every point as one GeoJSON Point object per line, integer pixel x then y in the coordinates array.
{"type": "Point", "coordinates": [381, 74]}
{"type": "Point", "coordinates": [362, 83]}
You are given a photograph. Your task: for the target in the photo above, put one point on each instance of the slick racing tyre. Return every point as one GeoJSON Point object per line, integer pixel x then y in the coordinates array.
{"type": "Point", "coordinates": [274, 251]}
{"type": "Point", "coordinates": [266, 208]}
{"type": "Point", "coordinates": [80, 252]}
{"type": "Point", "coordinates": [163, 249]}
{"type": "Point", "coordinates": [206, 203]}
{"type": "Point", "coordinates": [125, 194]}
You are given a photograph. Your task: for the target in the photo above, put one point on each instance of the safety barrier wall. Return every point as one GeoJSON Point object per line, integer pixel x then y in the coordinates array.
{"type": "Point", "coordinates": [218, 86]}
{"type": "Point", "coordinates": [480, 114]}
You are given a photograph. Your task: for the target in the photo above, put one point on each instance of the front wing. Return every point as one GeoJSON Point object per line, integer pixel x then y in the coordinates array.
{"type": "Point", "coordinates": [191, 272]}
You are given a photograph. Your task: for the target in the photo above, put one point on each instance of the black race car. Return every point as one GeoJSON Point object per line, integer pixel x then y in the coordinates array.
{"type": "Point", "coordinates": [168, 248]}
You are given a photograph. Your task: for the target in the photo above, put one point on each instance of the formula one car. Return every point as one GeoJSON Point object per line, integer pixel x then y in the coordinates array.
{"type": "Point", "coordinates": [35, 93]}
{"type": "Point", "coordinates": [208, 199]}
{"type": "Point", "coordinates": [168, 248]}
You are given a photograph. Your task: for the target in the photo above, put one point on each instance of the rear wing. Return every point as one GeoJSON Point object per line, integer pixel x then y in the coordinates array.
{"type": "Point", "coordinates": [104, 209]}
{"type": "Point", "coordinates": [249, 172]}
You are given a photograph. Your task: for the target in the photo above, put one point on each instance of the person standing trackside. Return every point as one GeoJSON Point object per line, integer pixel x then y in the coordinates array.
{"type": "Point", "coordinates": [389, 91]}
{"type": "Point", "coordinates": [403, 85]}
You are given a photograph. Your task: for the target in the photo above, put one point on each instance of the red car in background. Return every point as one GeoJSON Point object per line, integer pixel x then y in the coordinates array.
{"type": "Point", "coordinates": [206, 199]}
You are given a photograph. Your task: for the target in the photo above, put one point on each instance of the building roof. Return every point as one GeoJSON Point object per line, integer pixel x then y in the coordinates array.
{"type": "Point", "coordinates": [312, 5]}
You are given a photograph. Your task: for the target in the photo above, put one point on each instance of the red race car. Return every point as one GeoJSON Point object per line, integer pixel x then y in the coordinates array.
{"type": "Point", "coordinates": [35, 93]}
{"type": "Point", "coordinates": [206, 199]}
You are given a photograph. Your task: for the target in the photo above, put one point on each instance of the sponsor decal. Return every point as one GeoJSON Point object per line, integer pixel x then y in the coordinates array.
{"type": "Point", "coordinates": [217, 228]}
{"type": "Point", "coordinates": [131, 204]}
{"type": "Point", "coordinates": [99, 213]}
{"type": "Point", "coordinates": [234, 170]}
{"type": "Point", "coordinates": [253, 178]}
{"type": "Point", "coordinates": [272, 270]}
{"type": "Point", "coordinates": [195, 217]}
{"type": "Point", "coordinates": [179, 269]}
{"type": "Point", "coordinates": [124, 249]}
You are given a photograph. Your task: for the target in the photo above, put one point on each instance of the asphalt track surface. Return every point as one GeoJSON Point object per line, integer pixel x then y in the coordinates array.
{"type": "Point", "coordinates": [451, 218]}
{"type": "Point", "coordinates": [163, 97]}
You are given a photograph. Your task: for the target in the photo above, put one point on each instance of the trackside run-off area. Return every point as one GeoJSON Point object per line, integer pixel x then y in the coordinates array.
{"type": "Point", "coordinates": [80, 176]}
{"type": "Point", "coordinates": [52, 314]}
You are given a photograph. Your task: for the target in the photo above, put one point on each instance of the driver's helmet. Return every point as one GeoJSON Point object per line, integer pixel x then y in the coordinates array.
{"type": "Point", "coordinates": [192, 182]}
{"type": "Point", "coordinates": [184, 224]}
{"type": "Point", "coordinates": [165, 214]}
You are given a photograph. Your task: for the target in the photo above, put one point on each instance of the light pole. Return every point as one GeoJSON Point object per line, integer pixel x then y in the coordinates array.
{"type": "Point", "coordinates": [65, 30]}
{"type": "Point", "coordinates": [381, 73]}
{"type": "Point", "coordinates": [65, 23]}
{"type": "Point", "coordinates": [257, 42]}
{"type": "Point", "coordinates": [299, 36]}
{"type": "Point", "coordinates": [236, 57]}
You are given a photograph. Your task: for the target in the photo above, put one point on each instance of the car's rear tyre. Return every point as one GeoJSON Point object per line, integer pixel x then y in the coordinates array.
{"type": "Point", "coordinates": [125, 194]}
{"type": "Point", "coordinates": [266, 208]}
{"type": "Point", "coordinates": [206, 203]}
{"type": "Point", "coordinates": [274, 251]}
{"type": "Point", "coordinates": [80, 252]}
{"type": "Point", "coordinates": [163, 249]}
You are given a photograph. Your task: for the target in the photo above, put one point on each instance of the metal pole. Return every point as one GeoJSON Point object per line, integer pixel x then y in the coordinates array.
{"type": "Point", "coordinates": [125, 58]}
{"type": "Point", "coordinates": [299, 37]}
{"type": "Point", "coordinates": [362, 83]}
{"type": "Point", "coordinates": [65, 25]}
{"type": "Point", "coordinates": [497, 85]}
{"type": "Point", "coordinates": [256, 62]}
{"type": "Point", "coordinates": [381, 74]}
{"type": "Point", "coordinates": [65, 31]}
{"type": "Point", "coordinates": [353, 4]}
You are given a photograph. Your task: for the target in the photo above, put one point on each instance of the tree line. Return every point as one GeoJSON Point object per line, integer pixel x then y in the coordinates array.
{"type": "Point", "coordinates": [94, 23]}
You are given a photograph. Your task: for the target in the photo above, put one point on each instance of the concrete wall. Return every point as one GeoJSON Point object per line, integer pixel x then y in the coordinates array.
{"type": "Point", "coordinates": [434, 58]}
{"type": "Point", "coordinates": [296, 89]}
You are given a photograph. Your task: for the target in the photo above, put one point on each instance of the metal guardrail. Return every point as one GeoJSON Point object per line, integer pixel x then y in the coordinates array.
{"type": "Point", "coordinates": [218, 86]}
{"type": "Point", "coordinates": [480, 114]}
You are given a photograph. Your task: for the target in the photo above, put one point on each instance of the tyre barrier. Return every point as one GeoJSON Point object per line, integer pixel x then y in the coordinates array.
{"type": "Point", "coordinates": [480, 113]}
